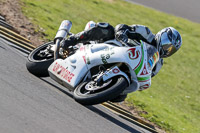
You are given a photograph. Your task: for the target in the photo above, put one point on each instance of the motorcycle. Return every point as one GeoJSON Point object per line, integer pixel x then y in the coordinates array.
{"type": "Point", "coordinates": [95, 73]}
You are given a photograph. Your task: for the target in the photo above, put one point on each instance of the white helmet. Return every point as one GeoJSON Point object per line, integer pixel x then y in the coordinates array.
{"type": "Point", "coordinates": [169, 41]}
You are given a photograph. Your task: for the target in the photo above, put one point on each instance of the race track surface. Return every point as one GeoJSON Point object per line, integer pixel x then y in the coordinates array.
{"type": "Point", "coordinates": [189, 9]}
{"type": "Point", "coordinates": [32, 105]}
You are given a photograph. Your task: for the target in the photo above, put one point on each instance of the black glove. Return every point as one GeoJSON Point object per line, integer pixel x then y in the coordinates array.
{"type": "Point", "coordinates": [123, 38]}
{"type": "Point", "coordinates": [68, 42]}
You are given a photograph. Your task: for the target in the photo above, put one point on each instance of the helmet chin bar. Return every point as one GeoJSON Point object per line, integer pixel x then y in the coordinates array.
{"type": "Point", "coordinates": [161, 53]}
{"type": "Point", "coordinates": [160, 50]}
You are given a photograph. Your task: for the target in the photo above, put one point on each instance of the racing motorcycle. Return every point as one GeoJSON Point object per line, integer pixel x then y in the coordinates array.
{"type": "Point", "coordinates": [94, 72]}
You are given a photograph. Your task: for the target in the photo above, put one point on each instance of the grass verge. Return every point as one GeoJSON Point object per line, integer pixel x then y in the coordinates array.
{"type": "Point", "coordinates": [173, 99]}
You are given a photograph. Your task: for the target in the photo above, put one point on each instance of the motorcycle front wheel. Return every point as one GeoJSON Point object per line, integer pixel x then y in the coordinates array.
{"type": "Point", "coordinates": [108, 91]}
{"type": "Point", "coordinates": [37, 64]}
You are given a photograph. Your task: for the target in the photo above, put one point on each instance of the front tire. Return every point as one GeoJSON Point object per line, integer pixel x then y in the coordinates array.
{"type": "Point", "coordinates": [37, 65]}
{"type": "Point", "coordinates": [117, 86]}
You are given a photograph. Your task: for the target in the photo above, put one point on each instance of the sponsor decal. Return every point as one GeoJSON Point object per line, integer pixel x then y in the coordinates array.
{"type": "Point", "coordinates": [133, 53]}
{"type": "Point", "coordinates": [88, 60]}
{"type": "Point", "coordinates": [115, 71]}
{"type": "Point", "coordinates": [84, 59]}
{"type": "Point", "coordinates": [91, 25]}
{"type": "Point", "coordinates": [82, 48]}
{"type": "Point", "coordinates": [108, 52]}
{"type": "Point", "coordinates": [65, 24]}
{"type": "Point", "coordinates": [153, 60]}
{"type": "Point", "coordinates": [104, 58]}
{"type": "Point", "coordinates": [63, 72]}
{"type": "Point", "coordinates": [140, 64]}
{"type": "Point", "coordinates": [150, 63]}
{"type": "Point", "coordinates": [144, 79]}
{"type": "Point", "coordinates": [144, 71]}
{"type": "Point", "coordinates": [144, 86]}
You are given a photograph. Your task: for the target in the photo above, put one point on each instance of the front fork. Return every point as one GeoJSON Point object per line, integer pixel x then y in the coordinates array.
{"type": "Point", "coordinates": [115, 71]}
{"type": "Point", "coordinates": [56, 51]}
{"type": "Point", "coordinates": [109, 74]}
{"type": "Point", "coordinates": [63, 32]}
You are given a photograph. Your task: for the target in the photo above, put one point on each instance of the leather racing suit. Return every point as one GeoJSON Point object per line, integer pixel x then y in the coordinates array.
{"type": "Point", "coordinates": [138, 32]}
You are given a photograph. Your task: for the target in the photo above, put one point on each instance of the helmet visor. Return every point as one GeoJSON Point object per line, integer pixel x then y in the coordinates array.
{"type": "Point", "coordinates": [167, 48]}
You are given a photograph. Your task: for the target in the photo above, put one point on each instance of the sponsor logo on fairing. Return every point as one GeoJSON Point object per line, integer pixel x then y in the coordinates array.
{"type": "Point", "coordinates": [153, 60]}
{"type": "Point", "coordinates": [144, 71]}
{"type": "Point", "coordinates": [107, 55]}
{"type": "Point", "coordinates": [82, 48]}
{"type": "Point", "coordinates": [63, 72]}
{"type": "Point", "coordinates": [146, 86]}
{"type": "Point", "coordinates": [133, 53]}
{"type": "Point", "coordinates": [116, 70]}
{"type": "Point", "coordinates": [104, 58]}
{"type": "Point", "coordinates": [84, 59]}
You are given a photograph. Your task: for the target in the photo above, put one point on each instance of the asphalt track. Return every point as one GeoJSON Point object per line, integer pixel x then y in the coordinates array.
{"type": "Point", "coordinates": [39, 105]}
{"type": "Point", "coordinates": [189, 9]}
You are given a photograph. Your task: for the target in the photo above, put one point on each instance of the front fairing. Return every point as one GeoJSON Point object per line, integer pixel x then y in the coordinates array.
{"type": "Point", "coordinates": [135, 58]}
{"type": "Point", "coordinates": [98, 54]}
{"type": "Point", "coordinates": [70, 71]}
{"type": "Point", "coordinates": [73, 69]}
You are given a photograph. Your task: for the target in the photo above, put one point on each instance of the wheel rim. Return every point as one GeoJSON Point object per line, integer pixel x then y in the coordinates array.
{"type": "Point", "coordinates": [115, 88]}
{"type": "Point", "coordinates": [41, 54]}
{"type": "Point", "coordinates": [91, 87]}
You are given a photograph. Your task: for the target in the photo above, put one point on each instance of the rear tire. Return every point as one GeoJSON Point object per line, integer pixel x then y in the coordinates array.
{"type": "Point", "coordinates": [117, 86]}
{"type": "Point", "coordinates": [39, 66]}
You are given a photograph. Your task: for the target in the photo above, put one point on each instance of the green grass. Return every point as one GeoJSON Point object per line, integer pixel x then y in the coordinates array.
{"type": "Point", "coordinates": [173, 99]}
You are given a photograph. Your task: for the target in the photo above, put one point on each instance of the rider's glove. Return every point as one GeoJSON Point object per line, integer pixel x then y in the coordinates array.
{"type": "Point", "coordinates": [71, 41]}
{"type": "Point", "coordinates": [123, 38]}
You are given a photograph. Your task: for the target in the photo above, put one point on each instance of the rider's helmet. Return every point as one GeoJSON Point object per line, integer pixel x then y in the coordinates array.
{"type": "Point", "coordinates": [168, 41]}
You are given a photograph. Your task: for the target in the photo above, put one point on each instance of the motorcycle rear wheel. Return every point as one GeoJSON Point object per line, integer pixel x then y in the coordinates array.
{"type": "Point", "coordinates": [37, 65]}
{"type": "Point", "coordinates": [111, 91]}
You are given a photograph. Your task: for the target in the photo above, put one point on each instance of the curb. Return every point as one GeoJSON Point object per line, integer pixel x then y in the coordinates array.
{"type": "Point", "coordinates": [2, 18]}
{"type": "Point", "coordinates": [6, 25]}
{"type": "Point", "coordinates": [8, 33]}
{"type": "Point", "coordinates": [12, 33]}
{"type": "Point", "coordinates": [128, 116]}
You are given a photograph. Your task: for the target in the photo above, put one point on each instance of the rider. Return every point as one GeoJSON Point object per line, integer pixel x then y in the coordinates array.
{"type": "Point", "coordinates": [167, 41]}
